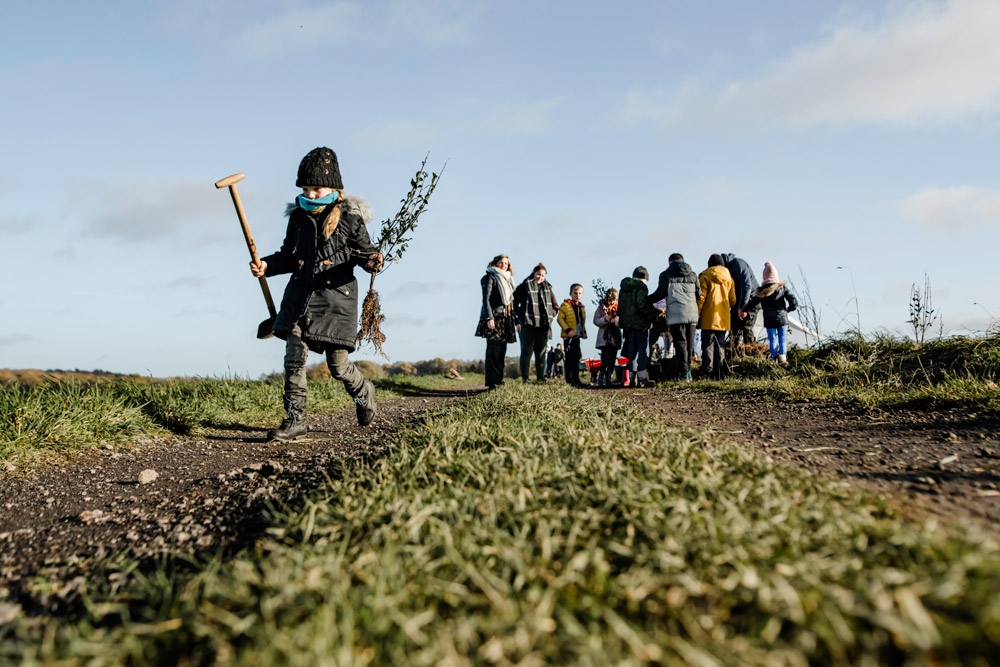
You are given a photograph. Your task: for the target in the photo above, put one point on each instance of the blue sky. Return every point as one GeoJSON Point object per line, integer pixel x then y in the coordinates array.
{"type": "Point", "coordinates": [856, 134]}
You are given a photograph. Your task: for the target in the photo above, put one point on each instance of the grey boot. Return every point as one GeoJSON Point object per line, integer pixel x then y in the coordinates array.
{"type": "Point", "coordinates": [293, 425]}
{"type": "Point", "coordinates": [364, 404]}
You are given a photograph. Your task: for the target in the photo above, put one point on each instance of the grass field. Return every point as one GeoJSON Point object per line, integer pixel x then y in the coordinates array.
{"type": "Point", "coordinates": [585, 533]}
{"type": "Point", "coordinates": [51, 420]}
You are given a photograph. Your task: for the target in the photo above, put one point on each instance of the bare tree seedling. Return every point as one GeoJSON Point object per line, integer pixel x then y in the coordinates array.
{"type": "Point", "coordinates": [922, 313]}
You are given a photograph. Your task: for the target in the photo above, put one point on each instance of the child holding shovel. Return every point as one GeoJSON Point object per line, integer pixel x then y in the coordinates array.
{"type": "Point", "coordinates": [325, 239]}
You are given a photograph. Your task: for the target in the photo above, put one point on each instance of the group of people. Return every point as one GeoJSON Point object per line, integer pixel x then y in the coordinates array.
{"type": "Point", "coordinates": [722, 301]}
{"type": "Point", "coordinates": [326, 239]}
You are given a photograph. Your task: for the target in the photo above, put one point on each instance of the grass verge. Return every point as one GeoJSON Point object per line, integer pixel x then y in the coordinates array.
{"type": "Point", "coordinates": [52, 420]}
{"type": "Point", "coordinates": [882, 372]}
{"type": "Point", "coordinates": [584, 533]}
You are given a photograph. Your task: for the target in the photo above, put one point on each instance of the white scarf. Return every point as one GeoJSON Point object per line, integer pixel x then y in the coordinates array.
{"type": "Point", "coordinates": [504, 282]}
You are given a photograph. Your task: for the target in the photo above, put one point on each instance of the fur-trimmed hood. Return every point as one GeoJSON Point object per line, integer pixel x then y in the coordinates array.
{"type": "Point", "coordinates": [767, 290]}
{"type": "Point", "coordinates": [350, 203]}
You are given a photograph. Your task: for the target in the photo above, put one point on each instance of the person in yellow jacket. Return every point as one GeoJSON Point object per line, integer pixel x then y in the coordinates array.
{"type": "Point", "coordinates": [572, 321]}
{"type": "Point", "coordinates": [718, 296]}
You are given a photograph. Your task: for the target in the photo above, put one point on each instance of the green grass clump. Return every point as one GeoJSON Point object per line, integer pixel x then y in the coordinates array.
{"type": "Point", "coordinates": [53, 419]}
{"type": "Point", "coordinates": [881, 371]}
{"type": "Point", "coordinates": [581, 533]}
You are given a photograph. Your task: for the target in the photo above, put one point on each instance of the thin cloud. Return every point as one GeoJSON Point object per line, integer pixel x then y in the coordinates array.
{"type": "Point", "coordinates": [19, 223]}
{"type": "Point", "coordinates": [438, 22]}
{"type": "Point", "coordinates": [930, 63]}
{"type": "Point", "coordinates": [519, 120]}
{"type": "Point", "coordinates": [302, 27]}
{"type": "Point", "coordinates": [177, 210]}
{"type": "Point", "coordinates": [15, 339]}
{"type": "Point", "coordinates": [954, 208]}
{"type": "Point", "coordinates": [522, 120]}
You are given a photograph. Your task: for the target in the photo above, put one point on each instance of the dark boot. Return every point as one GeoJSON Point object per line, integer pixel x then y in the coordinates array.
{"type": "Point", "coordinates": [293, 426]}
{"type": "Point", "coordinates": [364, 404]}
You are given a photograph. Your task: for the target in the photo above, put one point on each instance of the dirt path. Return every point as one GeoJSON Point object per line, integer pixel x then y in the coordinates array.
{"type": "Point", "coordinates": [945, 464]}
{"type": "Point", "coordinates": [213, 492]}
{"type": "Point", "coordinates": [209, 492]}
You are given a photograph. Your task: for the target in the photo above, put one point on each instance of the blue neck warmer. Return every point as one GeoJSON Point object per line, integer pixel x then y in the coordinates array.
{"type": "Point", "coordinates": [313, 205]}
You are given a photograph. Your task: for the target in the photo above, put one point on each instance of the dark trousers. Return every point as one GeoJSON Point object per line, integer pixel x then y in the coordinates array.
{"type": "Point", "coordinates": [573, 356]}
{"type": "Point", "coordinates": [683, 337]}
{"type": "Point", "coordinates": [496, 352]}
{"type": "Point", "coordinates": [533, 341]}
{"type": "Point", "coordinates": [609, 356]}
{"type": "Point", "coordinates": [637, 350]}
{"type": "Point", "coordinates": [713, 352]}
{"type": "Point", "coordinates": [296, 355]}
{"type": "Point", "coordinates": [742, 330]}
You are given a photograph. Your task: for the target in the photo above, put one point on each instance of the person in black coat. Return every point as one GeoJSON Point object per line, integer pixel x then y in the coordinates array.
{"type": "Point", "coordinates": [776, 301]}
{"type": "Point", "coordinates": [496, 317]}
{"type": "Point", "coordinates": [741, 330]}
{"type": "Point", "coordinates": [325, 239]}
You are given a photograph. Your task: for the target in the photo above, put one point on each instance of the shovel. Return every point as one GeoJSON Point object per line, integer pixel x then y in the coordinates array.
{"type": "Point", "coordinates": [266, 328]}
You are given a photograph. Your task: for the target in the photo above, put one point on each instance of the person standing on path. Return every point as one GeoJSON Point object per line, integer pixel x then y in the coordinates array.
{"type": "Point", "coordinates": [325, 239]}
{"type": "Point", "coordinates": [679, 287]}
{"type": "Point", "coordinates": [776, 301]}
{"type": "Point", "coordinates": [534, 307]}
{"type": "Point", "coordinates": [635, 314]}
{"type": "Point", "coordinates": [496, 317]}
{"type": "Point", "coordinates": [609, 336]}
{"type": "Point", "coordinates": [573, 329]}
{"type": "Point", "coordinates": [745, 283]}
{"type": "Point", "coordinates": [718, 296]}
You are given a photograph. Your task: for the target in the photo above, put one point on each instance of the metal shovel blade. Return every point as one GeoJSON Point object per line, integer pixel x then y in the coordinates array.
{"type": "Point", "coordinates": [266, 328]}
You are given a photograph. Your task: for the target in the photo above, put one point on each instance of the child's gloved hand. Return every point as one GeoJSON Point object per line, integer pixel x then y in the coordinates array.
{"type": "Point", "coordinates": [374, 262]}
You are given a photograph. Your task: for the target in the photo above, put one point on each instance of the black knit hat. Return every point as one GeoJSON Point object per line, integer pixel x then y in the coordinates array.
{"type": "Point", "coordinates": [641, 273]}
{"type": "Point", "coordinates": [319, 169]}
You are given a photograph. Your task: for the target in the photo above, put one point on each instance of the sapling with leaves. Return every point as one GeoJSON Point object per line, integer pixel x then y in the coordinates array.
{"type": "Point", "coordinates": [395, 236]}
{"type": "Point", "coordinates": [600, 290]}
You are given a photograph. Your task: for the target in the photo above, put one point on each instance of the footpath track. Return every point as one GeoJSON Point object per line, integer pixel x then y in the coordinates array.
{"type": "Point", "coordinates": [212, 493]}
{"type": "Point", "coordinates": [208, 493]}
{"type": "Point", "coordinates": [943, 464]}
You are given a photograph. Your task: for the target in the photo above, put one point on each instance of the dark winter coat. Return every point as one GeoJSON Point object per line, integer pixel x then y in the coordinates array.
{"type": "Point", "coordinates": [635, 312]}
{"type": "Point", "coordinates": [679, 286]}
{"type": "Point", "coordinates": [776, 302]}
{"type": "Point", "coordinates": [525, 293]}
{"type": "Point", "coordinates": [492, 299]}
{"type": "Point", "coordinates": [322, 294]}
{"type": "Point", "coordinates": [744, 280]}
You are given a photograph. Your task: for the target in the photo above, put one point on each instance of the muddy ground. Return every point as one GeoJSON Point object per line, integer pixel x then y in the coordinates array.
{"type": "Point", "coordinates": [209, 493]}
{"type": "Point", "coordinates": [212, 493]}
{"type": "Point", "coordinates": [934, 463]}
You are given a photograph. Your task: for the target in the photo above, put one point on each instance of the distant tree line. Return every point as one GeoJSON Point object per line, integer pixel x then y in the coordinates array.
{"type": "Point", "coordinates": [370, 369]}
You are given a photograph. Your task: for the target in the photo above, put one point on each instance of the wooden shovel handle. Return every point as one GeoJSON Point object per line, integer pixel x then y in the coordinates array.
{"type": "Point", "coordinates": [231, 182]}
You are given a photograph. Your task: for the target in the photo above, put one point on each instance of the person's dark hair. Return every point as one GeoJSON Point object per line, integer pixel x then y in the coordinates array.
{"type": "Point", "coordinates": [676, 257]}
{"type": "Point", "coordinates": [496, 260]}
{"type": "Point", "coordinates": [539, 267]}
{"type": "Point", "coordinates": [716, 260]}
{"type": "Point", "coordinates": [574, 286]}
{"type": "Point", "coordinates": [641, 273]}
